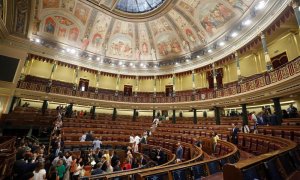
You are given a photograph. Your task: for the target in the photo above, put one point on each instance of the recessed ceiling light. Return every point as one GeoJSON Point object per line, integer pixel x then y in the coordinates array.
{"type": "Point", "coordinates": [131, 64]}
{"type": "Point", "coordinates": [90, 58]}
{"type": "Point", "coordinates": [98, 58]}
{"type": "Point", "coordinates": [73, 51]}
{"type": "Point", "coordinates": [37, 40]}
{"type": "Point", "coordinates": [68, 50]}
{"type": "Point", "coordinates": [198, 56]}
{"type": "Point", "coordinates": [247, 22]}
{"type": "Point", "coordinates": [141, 64]}
{"type": "Point", "coordinates": [222, 43]}
{"type": "Point", "coordinates": [209, 51]}
{"type": "Point", "coordinates": [234, 34]}
{"type": "Point", "coordinates": [260, 5]}
{"type": "Point", "coordinates": [120, 63]}
{"type": "Point", "coordinates": [176, 63]}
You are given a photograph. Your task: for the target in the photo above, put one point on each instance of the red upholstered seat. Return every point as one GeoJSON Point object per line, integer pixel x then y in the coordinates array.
{"type": "Point", "coordinates": [240, 141]}
{"type": "Point", "coordinates": [261, 131]}
{"type": "Point", "coordinates": [288, 134]}
{"type": "Point", "coordinates": [277, 133]}
{"type": "Point", "coordinates": [297, 137]}
{"type": "Point", "coordinates": [253, 145]}
{"type": "Point", "coordinates": [268, 132]}
{"type": "Point", "coordinates": [247, 144]}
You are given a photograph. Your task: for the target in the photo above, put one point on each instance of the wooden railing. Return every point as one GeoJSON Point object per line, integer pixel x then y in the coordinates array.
{"type": "Point", "coordinates": [7, 156]}
{"type": "Point", "coordinates": [249, 84]}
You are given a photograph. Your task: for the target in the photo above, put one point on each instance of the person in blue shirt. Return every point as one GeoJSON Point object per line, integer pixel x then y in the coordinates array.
{"type": "Point", "coordinates": [179, 152]}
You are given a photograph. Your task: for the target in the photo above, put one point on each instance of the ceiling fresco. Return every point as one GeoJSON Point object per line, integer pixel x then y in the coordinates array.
{"type": "Point", "coordinates": [185, 28]}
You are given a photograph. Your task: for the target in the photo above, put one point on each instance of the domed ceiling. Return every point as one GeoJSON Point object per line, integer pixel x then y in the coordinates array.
{"type": "Point", "coordinates": [185, 27]}
{"type": "Point", "coordinates": [137, 31]}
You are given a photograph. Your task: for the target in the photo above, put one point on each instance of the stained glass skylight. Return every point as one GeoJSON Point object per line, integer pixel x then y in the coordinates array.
{"type": "Point", "coordinates": [138, 6]}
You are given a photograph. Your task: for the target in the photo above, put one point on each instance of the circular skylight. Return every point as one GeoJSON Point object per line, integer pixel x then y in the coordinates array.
{"type": "Point", "coordinates": [138, 6]}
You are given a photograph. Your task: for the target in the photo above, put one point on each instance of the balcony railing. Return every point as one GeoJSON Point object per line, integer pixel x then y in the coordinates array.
{"type": "Point", "coordinates": [249, 84]}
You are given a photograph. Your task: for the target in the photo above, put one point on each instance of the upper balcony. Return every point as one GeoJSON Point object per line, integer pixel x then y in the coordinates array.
{"type": "Point", "coordinates": [279, 82]}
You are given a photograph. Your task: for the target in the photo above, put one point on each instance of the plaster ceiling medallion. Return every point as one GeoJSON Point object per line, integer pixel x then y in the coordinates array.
{"type": "Point", "coordinates": [155, 33]}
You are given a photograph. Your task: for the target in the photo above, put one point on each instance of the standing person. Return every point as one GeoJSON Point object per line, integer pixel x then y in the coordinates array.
{"type": "Point", "coordinates": [245, 128]}
{"type": "Point", "coordinates": [52, 174]}
{"type": "Point", "coordinates": [179, 152]}
{"type": "Point", "coordinates": [89, 136]}
{"type": "Point", "coordinates": [107, 156]}
{"type": "Point", "coordinates": [254, 119]}
{"type": "Point", "coordinates": [234, 137]}
{"type": "Point", "coordinates": [114, 158]}
{"type": "Point", "coordinates": [292, 111]}
{"type": "Point", "coordinates": [83, 137]}
{"type": "Point", "coordinates": [117, 167]}
{"type": "Point", "coordinates": [131, 138]}
{"type": "Point", "coordinates": [126, 165]}
{"type": "Point", "coordinates": [61, 169]}
{"type": "Point", "coordinates": [142, 160]}
{"type": "Point", "coordinates": [156, 121]}
{"type": "Point", "coordinates": [39, 172]}
{"type": "Point", "coordinates": [135, 147]}
{"type": "Point", "coordinates": [215, 139]}
{"type": "Point", "coordinates": [97, 143]}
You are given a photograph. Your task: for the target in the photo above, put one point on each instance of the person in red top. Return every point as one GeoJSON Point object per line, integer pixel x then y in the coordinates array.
{"type": "Point", "coordinates": [126, 165]}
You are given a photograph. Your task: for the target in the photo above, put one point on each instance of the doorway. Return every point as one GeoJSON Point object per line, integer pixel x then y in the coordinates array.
{"type": "Point", "coordinates": [127, 90]}
{"type": "Point", "coordinates": [83, 84]}
{"type": "Point", "coordinates": [169, 90]}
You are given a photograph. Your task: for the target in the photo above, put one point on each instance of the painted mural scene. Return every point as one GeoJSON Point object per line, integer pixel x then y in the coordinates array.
{"type": "Point", "coordinates": [149, 89]}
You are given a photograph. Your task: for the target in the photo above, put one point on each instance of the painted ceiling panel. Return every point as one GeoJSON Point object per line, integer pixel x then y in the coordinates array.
{"type": "Point", "coordinates": [185, 27]}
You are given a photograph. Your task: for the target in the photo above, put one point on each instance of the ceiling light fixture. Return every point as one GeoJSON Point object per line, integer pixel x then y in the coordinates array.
{"type": "Point", "coordinates": [234, 34]}
{"type": "Point", "coordinates": [247, 22]}
{"type": "Point", "coordinates": [73, 51]}
{"type": "Point", "coordinates": [260, 5]}
{"type": "Point", "coordinates": [37, 40]}
{"type": "Point", "coordinates": [209, 51]}
{"type": "Point", "coordinates": [222, 43]}
{"type": "Point", "coordinates": [98, 58]}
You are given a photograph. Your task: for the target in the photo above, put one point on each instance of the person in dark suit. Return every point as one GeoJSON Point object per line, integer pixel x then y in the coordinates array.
{"type": "Point", "coordinates": [160, 157]}
{"type": "Point", "coordinates": [89, 136]}
{"type": "Point", "coordinates": [114, 158]}
{"type": "Point", "coordinates": [234, 137]}
{"type": "Point", "coordinates": [179, 152]}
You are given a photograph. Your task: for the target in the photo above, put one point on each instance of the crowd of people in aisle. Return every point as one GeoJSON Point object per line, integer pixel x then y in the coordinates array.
{"type": "Point", "coordinates": [34, 162]}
